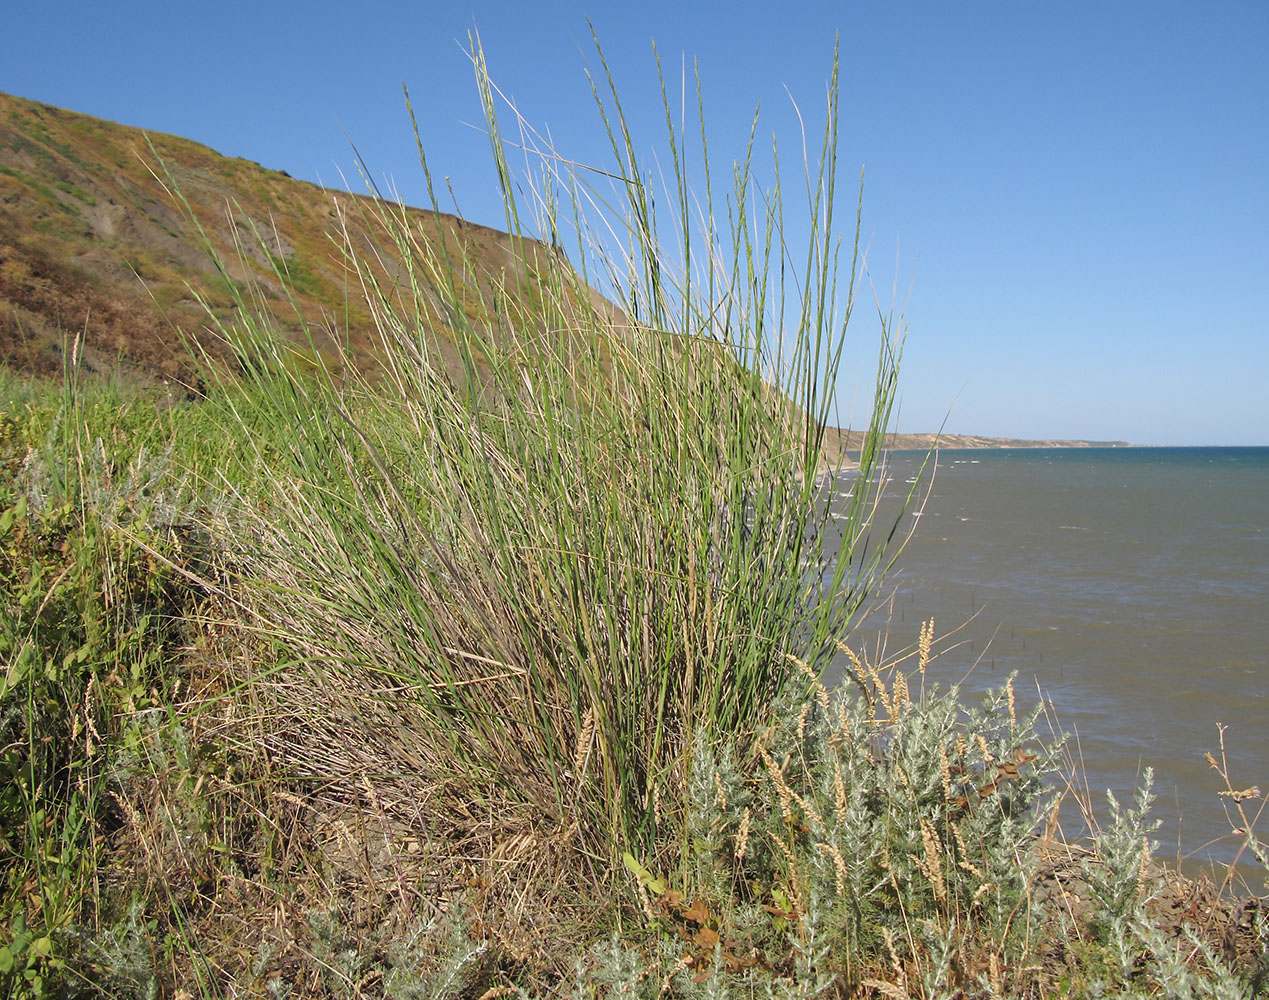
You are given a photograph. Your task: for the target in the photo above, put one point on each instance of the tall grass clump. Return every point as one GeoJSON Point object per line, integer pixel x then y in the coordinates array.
{"type": "Point", "coordinates": [529, 584]}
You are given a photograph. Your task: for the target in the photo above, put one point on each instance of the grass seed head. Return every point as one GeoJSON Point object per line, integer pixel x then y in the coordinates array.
{"type": "Point", "coordinates": [924, 641]}
{"type": "Point", "coordinates": [582, 756]}
{"type": "Point", "coordinates": [945, 773]}
{"type": "Point", "coordinates": [931, 864]}
{"type": "Point", "coordinates": [839, 865]}
{"type": "Point", "coordinates": [742, 836]}
{"type": "Point", "coordinates": [839, 795]}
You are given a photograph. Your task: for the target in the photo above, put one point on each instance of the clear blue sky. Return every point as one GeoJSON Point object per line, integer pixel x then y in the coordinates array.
{"type": "Point", "coordinates": [1077, 194]}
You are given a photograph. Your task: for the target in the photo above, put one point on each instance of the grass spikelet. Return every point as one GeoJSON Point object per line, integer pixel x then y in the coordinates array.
{"type": "Point", "coordinates": [902, 697]}
{"type": "Point", "coordinates": [839, 796]}
{"type": "Point", "coordinates": [896, 966]}
{"type": "Point", "coordinates": [995, 978]}
{"type": "Point", "coordinates": [1143, 868]}
{"type": "Point", "coordinates": [91, 736]}
{"type": "Point", "coordinates": [931, 864]}
{"type": "Point", "coordinates": [891, 990]}
{"type": "Point", "coordinates": [667, 981]}
{"type": "Point", "coordinates": [497, 992]}
{"type": "Point", "coordinates": [839, 864]}
{"type": "Point", "coordinates": [742, 836]}
{"type": "Point", "coordinates": [817, 685]}
{"type": "Point", "coordinates": [1013, 716]}
{"type": "Point", "coordinates": [964, 862]}
{"type": "Point", "coordinates": [809, 809]}
{"type": "Point", "coordinates": [645, 902]}
{"type": "Point", "coordinates": [924, 641]}
{"type": "Point", "coordinates": [582, 757]}
{"type": "Point", "coordinates": [843, 723]}
{"type": "Point", "coordinates": [783, 792]}
{"type": "Point", "coordinates": [788, 795]}
{"type": "Point", "coordinates": [879, 688]}
{"type": "Point", "coordinates": [945, 773]}
{"type": "Point", "coordinates": [856, 670]}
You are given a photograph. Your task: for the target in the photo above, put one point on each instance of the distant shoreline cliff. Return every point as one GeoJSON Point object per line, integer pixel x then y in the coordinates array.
{"type": "Point", "coordinates": [926, 441]}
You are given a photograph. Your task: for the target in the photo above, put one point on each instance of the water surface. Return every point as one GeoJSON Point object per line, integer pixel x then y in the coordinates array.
{"type": "Point", "coordinates": [1130, 584]}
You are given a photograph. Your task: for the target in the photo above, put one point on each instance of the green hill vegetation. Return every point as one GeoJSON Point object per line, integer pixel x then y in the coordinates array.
{"type": "Point", "coordinates": [95, 242]}
{"type": "Point", "coordinates": [417, 623]}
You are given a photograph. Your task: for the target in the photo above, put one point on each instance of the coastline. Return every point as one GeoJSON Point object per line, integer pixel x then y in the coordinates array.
{"type": "Point", "coordinates": [849, 440]}
{"type": "Point", "coordinates": [840, 443]}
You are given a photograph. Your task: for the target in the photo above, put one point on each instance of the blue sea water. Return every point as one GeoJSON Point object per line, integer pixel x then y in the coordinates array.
{"type": "Point", "coordinates": [1127, 586]}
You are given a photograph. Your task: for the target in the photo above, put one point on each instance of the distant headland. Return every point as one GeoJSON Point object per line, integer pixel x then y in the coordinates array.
{"type": "Point", "coordinates": [847, 441]}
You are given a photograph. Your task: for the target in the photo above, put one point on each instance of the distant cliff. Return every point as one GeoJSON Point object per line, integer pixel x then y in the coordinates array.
{"type": "Point", "coordinates": [924, 441]}
{"type": "Point", "coordinates": [844, 443]}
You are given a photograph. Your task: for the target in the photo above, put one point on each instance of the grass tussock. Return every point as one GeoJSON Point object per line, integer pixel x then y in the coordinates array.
{"type": "Point", "coordinates": [539, 585]}
{"type": "Point", "coordinates": [348, 683]}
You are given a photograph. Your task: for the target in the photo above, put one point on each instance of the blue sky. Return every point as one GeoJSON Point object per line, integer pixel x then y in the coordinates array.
{"type": "Point", "coordinates": [1076, 195]}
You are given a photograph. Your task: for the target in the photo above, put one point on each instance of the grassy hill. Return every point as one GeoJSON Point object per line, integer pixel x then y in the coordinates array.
{"type": "Point", "coordinates": [94, 241]}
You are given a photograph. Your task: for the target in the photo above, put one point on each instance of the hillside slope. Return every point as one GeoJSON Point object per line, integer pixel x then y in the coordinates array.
{"type": "Point", "coordinates": [94, 242]}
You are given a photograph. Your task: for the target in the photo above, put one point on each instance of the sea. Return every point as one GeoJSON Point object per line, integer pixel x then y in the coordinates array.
{"type": "Point", "coordinates": [1128, 590]}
